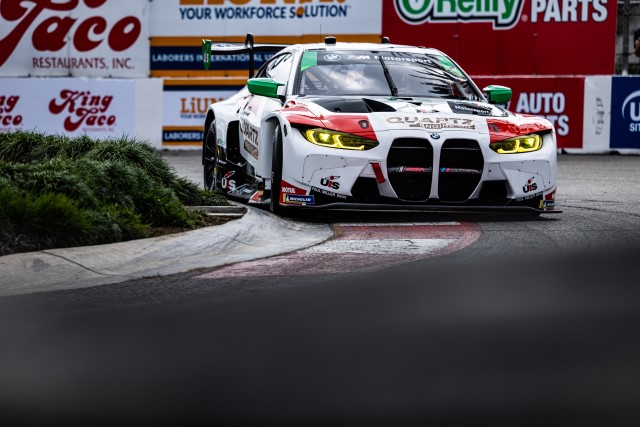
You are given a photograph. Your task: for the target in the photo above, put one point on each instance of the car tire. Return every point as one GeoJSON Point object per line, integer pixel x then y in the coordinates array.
{"type": "Point", "coordinates": [276, 172]}
{"type": "Point", "coordinates": [209, 155]}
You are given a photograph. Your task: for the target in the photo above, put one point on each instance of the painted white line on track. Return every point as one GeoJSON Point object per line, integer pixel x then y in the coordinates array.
{"type": "Point", "coordinates": [394, 224]}
{"type": "Point", "coordinates": [380, 246]}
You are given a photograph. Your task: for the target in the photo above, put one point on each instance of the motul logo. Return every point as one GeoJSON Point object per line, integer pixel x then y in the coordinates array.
{"type": "Point", "coordinates": [53, 34]}
{"type": "Point", "coordinates": [84, 109]}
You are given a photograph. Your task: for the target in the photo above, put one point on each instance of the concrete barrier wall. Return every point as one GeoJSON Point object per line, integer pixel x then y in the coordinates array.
{"type": "Point", "coordinates": [92, 62]}
{"type": "Point", "coordinates": [592, 114]}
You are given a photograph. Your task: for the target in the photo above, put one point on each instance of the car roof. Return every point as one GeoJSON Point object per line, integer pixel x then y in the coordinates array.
{"type": "Point", "coordinates": [381, 47]}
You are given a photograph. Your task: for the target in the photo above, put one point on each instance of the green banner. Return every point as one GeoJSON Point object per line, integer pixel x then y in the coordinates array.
{"type": "Point", "coordinates": [206, 53]}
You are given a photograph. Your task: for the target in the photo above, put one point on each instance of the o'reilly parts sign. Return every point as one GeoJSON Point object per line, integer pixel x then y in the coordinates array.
{"type": "Point", "coordinates": [504, 14]}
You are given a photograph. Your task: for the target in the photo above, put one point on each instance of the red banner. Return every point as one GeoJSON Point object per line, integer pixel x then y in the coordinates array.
{"type": "Point", "coordinates": [510, 37]}
{"type": "Point", "coordinates": [559, 99]}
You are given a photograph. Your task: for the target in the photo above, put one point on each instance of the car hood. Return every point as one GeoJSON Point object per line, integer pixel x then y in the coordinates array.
{"type": "Point", "coordinates": [364, 115]}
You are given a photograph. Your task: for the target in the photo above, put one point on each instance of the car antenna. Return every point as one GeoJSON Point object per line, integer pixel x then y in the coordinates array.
{"type": "Point", "coordinates": [248, 43]}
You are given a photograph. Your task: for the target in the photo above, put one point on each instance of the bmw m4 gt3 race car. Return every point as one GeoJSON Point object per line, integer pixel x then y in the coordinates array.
{"type": "Point", "coordinates": [374, 126]}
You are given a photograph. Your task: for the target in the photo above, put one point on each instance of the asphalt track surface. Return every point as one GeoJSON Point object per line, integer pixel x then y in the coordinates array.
{"type": "Point", "coordinates": [401, 319]}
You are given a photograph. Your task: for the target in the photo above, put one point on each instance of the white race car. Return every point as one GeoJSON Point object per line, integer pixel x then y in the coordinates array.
{"type": "Point", "coordinates": [374, 126]}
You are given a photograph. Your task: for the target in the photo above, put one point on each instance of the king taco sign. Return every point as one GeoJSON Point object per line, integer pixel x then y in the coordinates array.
{"type": "Point", "coordinates": [503, 14]}
{"type": "Point", "coordinates": [94, 38]}
{"type": "Point", "coordinates": [83, 111]}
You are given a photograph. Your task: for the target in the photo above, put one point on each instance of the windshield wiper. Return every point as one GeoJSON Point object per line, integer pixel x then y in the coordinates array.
{"type": "Point", "coordinates": [392, 85]}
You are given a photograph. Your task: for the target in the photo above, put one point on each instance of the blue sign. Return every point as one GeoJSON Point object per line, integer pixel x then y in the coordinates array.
{"type": "Point", "coordinates": [625, 112]}
{"type": "Point", "coordinates": [189, 58]}
{"type": "Point", "coordinates": [303, 200]}
{"type": "Point", "coordinates": [182, 136]}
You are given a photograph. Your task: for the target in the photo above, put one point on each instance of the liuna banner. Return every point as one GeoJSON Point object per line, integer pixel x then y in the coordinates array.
{"type": "Point", "coordinates": [186, 102]}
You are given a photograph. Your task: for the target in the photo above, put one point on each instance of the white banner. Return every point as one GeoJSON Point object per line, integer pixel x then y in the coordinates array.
{"type": "Point", "coordinates": [84, 38]}
{"type": "Point", "coordinates": [105, 108]}
{"type": "Point", "coordinates": [189, 108]}
{"type": "Point", "coordinates": [597, 114]}
{"type": "Point", "coordinates": [265, 17]}
{"type": "Point", "coordinates": [185, 109]}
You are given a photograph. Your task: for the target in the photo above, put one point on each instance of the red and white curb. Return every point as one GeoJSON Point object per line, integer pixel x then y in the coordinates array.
{"type": "Point", "coordinates": [362, 246]}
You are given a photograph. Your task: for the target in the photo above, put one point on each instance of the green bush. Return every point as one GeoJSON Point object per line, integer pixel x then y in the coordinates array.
{"type": "Point", "coordinates": [57, 191]}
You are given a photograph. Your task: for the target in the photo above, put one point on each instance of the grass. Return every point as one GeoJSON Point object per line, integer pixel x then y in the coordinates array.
{"type": "Point", "coordinates": [57, 191]}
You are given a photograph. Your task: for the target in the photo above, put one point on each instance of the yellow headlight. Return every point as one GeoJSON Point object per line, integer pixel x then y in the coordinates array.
{"type": "Point", "coordinates": [519, 144]}
{"type": "Point", "coordinates": [333, 139]}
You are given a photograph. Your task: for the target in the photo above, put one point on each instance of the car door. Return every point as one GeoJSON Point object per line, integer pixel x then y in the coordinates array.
{"type": "Point", "coordinates": [256, 107]}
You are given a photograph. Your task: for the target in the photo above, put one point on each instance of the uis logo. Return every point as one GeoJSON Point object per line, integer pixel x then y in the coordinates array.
{"type": "Point", "coordinates": [53, 33]}
{"type": "Point", "coordinates": [504, 14]}
{"type": "Point", "coordinates": [530, 185]}
{"type": "Point", "coordinates": [330, 182]}
{"type": "Point", "coordinates": [7, 107]}
{"type": "Point", "coordinates": [631, 111]}
{"type": "Point", "coordinates": [227, 183]}
{"type": "Point", "coordinates": [84, 109]}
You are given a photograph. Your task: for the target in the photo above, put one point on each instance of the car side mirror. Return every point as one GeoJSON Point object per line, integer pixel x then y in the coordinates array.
{"type": "Point", "coordinates": [497, 94]}
{"type": "Point", "coordinates": [264, 87]}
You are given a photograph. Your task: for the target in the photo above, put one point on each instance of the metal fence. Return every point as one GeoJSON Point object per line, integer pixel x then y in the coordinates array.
{"type": "Point", "coordinates": [628, 22]}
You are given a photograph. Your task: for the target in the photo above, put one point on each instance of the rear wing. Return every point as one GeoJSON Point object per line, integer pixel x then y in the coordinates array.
{"type": "Point", "coordinates": [209, 48]}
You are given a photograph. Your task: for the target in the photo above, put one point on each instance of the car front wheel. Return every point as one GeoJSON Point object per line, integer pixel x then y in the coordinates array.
{"type": "Point", "coordinates": [209, 159]}
{"type": "Point", "coordinates": [276, 171]}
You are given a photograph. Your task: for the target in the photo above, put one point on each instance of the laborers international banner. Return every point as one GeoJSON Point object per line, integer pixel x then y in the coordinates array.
{"type": "Point", "coordinates": [179, 25]}
{"type": "Point", "coordinates": [266, 17]}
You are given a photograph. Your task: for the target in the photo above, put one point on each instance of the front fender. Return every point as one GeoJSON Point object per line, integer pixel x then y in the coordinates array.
{"type": "Point", "coordinates": [265, 144]}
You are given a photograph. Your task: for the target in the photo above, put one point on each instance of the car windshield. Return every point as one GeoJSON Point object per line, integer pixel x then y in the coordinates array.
{"type": "Point", "coordinates": [400, 74]}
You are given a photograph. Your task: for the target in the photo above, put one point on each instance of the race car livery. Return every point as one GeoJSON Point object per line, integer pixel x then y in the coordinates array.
{"type": "Point", "coordinates": [375, 126]}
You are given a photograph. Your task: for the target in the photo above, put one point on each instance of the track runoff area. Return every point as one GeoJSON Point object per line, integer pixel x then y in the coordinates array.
{"type": "Point", "coordinates": [362, 247]}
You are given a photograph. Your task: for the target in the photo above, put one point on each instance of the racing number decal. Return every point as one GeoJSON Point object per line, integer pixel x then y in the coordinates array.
{"type": "Point", "coordinates": [250, 136]}
{"type": "Point", "coordinates": [250, 123]}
